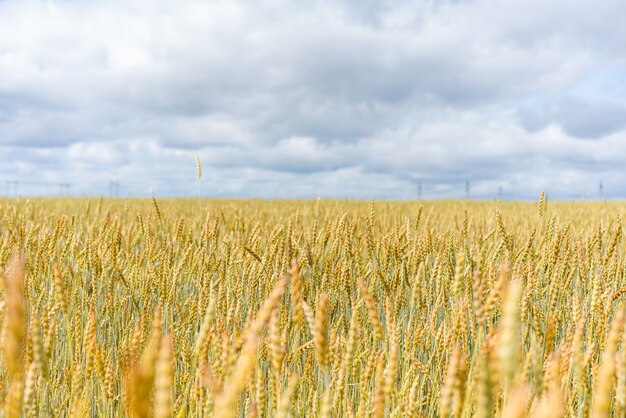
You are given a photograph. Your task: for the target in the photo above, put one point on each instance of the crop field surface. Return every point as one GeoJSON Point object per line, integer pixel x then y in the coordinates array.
{"type": "Point", "coordinates": [256, 308]}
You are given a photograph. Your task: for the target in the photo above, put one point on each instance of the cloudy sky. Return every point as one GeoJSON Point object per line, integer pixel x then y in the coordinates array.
{"type": "Point", "coordinates": [314, 98]}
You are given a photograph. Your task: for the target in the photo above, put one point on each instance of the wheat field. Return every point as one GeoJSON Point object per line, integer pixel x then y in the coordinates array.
{"type": "Point", "coordinates": [258, 308]}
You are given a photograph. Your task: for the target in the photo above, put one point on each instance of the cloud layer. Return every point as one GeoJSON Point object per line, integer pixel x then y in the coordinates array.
{"type": "Point", "coordinates": [323, 98]}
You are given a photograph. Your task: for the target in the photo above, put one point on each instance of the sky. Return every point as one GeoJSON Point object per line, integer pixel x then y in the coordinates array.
{"type": "Point", "coordinates": [291, 99]}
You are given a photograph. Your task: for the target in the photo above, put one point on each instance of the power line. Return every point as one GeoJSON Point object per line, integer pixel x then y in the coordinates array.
{"type": "Point", "coordinates": [14, 184]}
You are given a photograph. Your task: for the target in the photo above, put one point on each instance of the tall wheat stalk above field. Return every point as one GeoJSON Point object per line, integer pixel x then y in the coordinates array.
{"type": "Point", "coordinates": [199, 176]}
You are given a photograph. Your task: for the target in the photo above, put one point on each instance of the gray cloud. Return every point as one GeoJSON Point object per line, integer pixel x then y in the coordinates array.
{"type": "Point", "coordinates": [579, 117]}
{"type": "Point", "coordinates": [301, 99]}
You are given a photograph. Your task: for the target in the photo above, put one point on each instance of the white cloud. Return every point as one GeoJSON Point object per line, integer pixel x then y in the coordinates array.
{"type": "Point", "coordinates": [307, 98]}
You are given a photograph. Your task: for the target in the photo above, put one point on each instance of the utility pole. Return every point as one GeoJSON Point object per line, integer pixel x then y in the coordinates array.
{"type": "Point", "coordinates": [467, 195]}
{"type": "Point", "coordinates": [419, 190]}
{"type": "Point", "coordinates": [600, 190]}
{"type": "Point", "coordinates": [64, 189]}
{"type": "Point", "coordinates": [114, 188]}
{"type": "Point", "coordinates": [500, 193]}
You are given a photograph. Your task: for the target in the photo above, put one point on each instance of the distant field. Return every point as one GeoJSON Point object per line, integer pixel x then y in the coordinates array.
{"type": "Point", "coordinates": [312, 308]}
